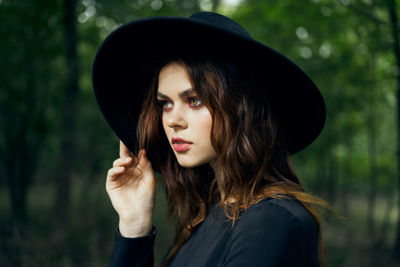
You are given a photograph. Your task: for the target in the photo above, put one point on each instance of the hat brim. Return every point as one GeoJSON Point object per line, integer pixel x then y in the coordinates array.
{"type": "Point", "coordinates": [129, 54]}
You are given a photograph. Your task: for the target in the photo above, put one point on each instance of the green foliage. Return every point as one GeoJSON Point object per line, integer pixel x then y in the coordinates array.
{"type": "Point", "coordinates": [344, 45]}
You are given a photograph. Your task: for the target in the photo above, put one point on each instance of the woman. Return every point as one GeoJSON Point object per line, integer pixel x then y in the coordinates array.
{"type": "Point", "coordinates": [217, 114]}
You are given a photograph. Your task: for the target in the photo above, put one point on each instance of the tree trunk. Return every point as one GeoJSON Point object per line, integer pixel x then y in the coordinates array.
{"type": "Point", "coordinates": [23, 136]}
{"type": "Point", "coordinates": [373, 177]}
{"type": "Point", "coordinates": [63, 177]}
{"type": "Point", "coordinates": [215, 5]}
{"type": "Point", "coordinates": [396, 50]}
{"type": "Point", "coordinates": [372, 157]}
{"type": "Point", "coordinates": [23, 140]}
{"type": "Point", "coordinates": [332, 179]}
{"type": "Point", "coordinates": [17, 182]}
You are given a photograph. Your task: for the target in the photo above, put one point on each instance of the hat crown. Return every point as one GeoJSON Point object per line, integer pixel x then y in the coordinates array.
{"type": "Point", "coordinates": [220, 21]}
{"type": "Point", "coordinates": [130, 55]}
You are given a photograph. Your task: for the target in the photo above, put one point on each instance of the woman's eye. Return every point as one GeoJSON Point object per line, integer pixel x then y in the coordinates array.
{"type": "Point", "coordinates": [194, 102]}
{"type": "Point", "coordinates": [165, 105]}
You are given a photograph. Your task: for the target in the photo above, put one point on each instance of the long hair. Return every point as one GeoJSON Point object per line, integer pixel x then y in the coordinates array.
{"type": "Point", "coordinates": [252, 154]}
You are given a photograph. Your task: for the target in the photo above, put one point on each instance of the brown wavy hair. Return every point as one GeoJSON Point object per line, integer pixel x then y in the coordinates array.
{"type": "Point", "coordinates": [253, 156]}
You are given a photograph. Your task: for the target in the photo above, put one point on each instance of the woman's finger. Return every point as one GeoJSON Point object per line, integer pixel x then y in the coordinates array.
{"type": "Point", "coordinates": [123, 150]}
{"type": "Point", "coordinates": [115, 171]}
{"type": "Point", "coordinates": [122, 161]}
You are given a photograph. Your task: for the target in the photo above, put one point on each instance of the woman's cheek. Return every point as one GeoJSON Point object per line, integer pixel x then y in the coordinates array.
{"type": "Point", "coordinates": [202, 121]}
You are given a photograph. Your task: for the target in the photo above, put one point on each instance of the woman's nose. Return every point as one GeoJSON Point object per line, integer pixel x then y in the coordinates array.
{"type": "Point", "coordinates": [176, 119]}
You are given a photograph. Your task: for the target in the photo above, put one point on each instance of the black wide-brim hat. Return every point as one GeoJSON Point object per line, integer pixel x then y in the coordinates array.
{"type": "Point", "coordinates": [128, 58]}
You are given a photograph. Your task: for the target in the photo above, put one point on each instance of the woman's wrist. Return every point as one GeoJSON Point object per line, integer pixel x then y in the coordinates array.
{"type": "Point", "coordinates": [135, 229]}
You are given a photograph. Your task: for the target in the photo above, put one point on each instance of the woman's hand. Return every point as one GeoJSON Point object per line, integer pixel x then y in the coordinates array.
{"type": "Point", "coordinates": [131, 188]}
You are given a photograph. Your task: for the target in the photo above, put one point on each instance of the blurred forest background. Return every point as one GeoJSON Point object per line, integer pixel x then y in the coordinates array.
{"type": "Point", "coordinates": [55, 147]}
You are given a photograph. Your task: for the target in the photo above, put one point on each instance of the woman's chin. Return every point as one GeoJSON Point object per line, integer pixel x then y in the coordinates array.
{"type": "Point", "coordinates": [191, 161]}
{"type": "Point", "coordinates": [188, 164]}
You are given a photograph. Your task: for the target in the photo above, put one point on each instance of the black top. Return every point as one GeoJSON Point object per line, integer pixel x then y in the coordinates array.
{"type": "Point", "coordinates": [273, 232]}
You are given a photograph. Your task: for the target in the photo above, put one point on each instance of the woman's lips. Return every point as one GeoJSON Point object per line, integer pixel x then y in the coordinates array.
{"type": "Point", "coordinates": [181, 147]}
{"type": "Point", "coordinates": [180, 144]}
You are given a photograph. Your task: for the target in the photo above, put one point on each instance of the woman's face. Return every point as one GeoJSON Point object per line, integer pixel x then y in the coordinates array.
{"type": "Point", "coordinates": [186, 121]}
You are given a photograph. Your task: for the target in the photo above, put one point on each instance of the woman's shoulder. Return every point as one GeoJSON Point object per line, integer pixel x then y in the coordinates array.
{"type": "Point", "coordinates": [287, 213]}
{"type": "Point", "coordinates": [274, 232]}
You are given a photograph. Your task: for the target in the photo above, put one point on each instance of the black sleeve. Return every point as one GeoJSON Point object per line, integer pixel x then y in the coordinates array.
{"type": "Point", "coordinates": [131, 252]}
{"type": "Point", "coordinates": [272, 236]}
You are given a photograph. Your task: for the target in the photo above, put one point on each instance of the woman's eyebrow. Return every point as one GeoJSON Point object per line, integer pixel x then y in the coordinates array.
{"type": "Point", "coordinates": [161, 95]}
{"type": "Point", "coordinates": [186, 93]}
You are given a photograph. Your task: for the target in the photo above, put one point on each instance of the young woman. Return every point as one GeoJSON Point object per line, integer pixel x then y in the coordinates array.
{"type": "Point", "coordinates": [218, 114]}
